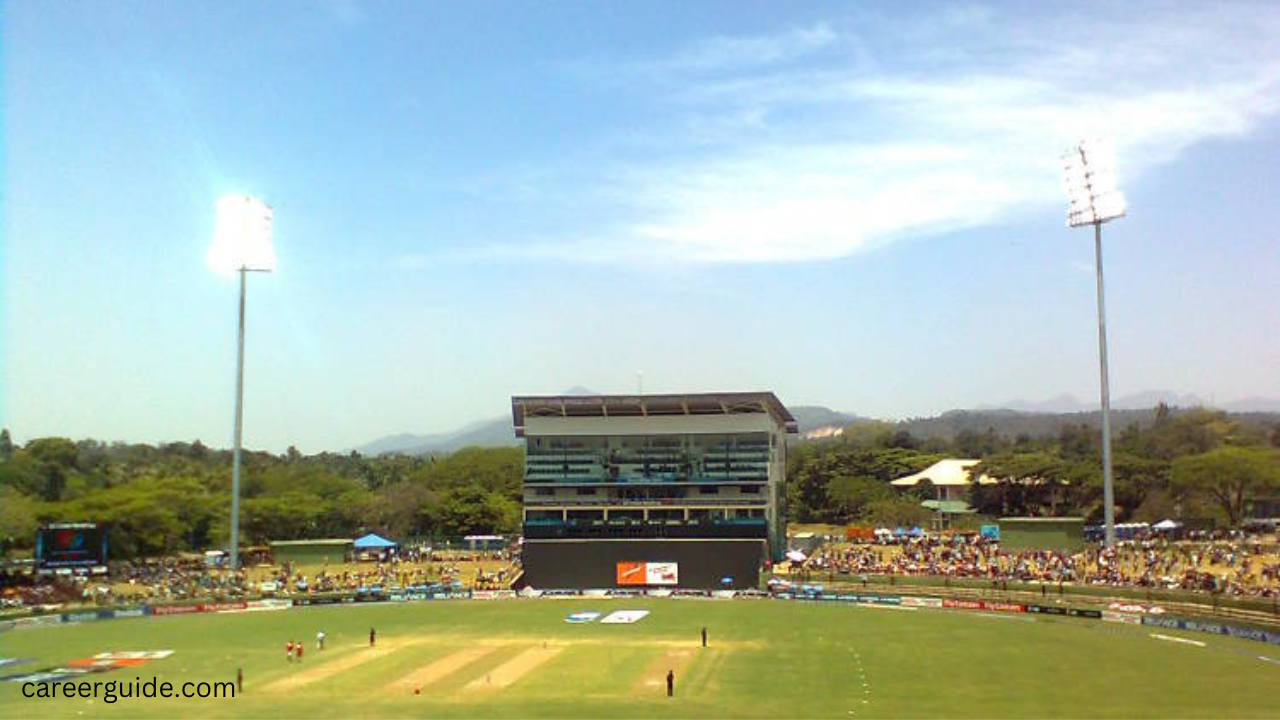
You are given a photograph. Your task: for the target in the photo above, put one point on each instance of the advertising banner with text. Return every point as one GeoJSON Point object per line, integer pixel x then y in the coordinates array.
{"type": "Point", "coordinates": [654, 573]}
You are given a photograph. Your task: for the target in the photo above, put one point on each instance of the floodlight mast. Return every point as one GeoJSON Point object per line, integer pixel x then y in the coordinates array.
{"type": "Point", "coordinates": [235, 457]}
{"type": "Point", "coordinates": [1092, 200]}
{"type": "Point", "coordinates": [242, 243]}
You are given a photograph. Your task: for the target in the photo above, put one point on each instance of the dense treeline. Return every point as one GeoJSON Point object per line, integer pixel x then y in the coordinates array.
{"type": "Point", "coordinates": [176, 497]}
{"type": "Point", "coordinates": [1199, 465]}
{"type": "Point", "coordinates": [1196, 464]}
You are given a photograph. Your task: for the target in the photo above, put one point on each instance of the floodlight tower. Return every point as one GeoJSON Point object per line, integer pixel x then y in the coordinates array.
{"type": "Point", "coordinates": [241, 244]}
{"type": "Point", "coordinates": [1092, 199]}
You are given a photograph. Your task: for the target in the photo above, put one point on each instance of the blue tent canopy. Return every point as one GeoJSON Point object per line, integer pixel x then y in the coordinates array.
{"type": "Point", "coordinates": [372, 542]}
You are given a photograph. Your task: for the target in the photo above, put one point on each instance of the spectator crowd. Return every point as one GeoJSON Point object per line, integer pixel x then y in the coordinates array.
{"type": "Point", "coordinates": [1236, 567]}
{"type": "Point", "coordinates": [165, 580]}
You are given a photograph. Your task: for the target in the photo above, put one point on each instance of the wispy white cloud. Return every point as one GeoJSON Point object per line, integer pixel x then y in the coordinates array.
{"type": "Point", "coordinates": [736, 53]}
{"type": "Point", "coordinates": [794, 155]}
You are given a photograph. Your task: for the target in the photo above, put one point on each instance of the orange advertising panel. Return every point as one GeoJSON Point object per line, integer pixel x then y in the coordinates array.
{"type": "Point", "coordinates": [631, 573]}
{"type": "Point", "coordinates": [859, 533]}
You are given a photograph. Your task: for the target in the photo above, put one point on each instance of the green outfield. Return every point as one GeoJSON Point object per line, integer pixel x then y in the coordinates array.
{"type": "Point", "coordinates": [765, 659]}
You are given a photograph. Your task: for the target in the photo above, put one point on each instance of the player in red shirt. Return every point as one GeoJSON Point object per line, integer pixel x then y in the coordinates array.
{"type": "Point", "coordinates": [297, 649]}
{"type": "Point", "coordinates": [288, 651]}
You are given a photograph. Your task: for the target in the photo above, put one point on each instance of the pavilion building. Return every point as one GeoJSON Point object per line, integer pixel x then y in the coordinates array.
{"type": "Point", "coordinates": [652, 490]}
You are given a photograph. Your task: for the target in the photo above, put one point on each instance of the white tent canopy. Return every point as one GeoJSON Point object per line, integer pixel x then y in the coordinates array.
{"type": "Point", "coordinates": [796, 556]}
{"type": "Point", "coordinates": [1167, 525]}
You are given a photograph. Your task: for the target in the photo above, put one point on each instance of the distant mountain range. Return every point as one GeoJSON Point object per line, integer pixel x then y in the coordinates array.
{"type": "Point", "coordinates": [1136, 401]}
{"type": "Point", "coordinates": [496, 432]}
{"type": "Point", "coordinates": [1015, 416]}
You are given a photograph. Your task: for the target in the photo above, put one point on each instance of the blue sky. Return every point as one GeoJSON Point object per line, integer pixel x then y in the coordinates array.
{"type": "Point", "coordinates": [857, 205]}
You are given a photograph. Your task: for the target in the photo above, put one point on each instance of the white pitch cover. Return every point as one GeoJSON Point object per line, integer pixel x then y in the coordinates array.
{"type": "Point", "coordinates": [623, 617]}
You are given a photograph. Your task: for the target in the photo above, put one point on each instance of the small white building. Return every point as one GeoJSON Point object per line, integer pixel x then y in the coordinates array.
{"type": "Point", "coordinates": [950, 479]}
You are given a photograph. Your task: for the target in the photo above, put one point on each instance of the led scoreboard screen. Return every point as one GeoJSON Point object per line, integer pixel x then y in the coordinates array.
{"type": "Point", "coordinates": [71, 545]}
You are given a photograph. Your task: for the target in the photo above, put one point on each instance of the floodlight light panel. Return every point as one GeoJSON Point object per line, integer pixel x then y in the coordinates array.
{"type": "Point", "coordinates": [1102, 181]}
{"type": "Point", "coordinates": [1076, 182]}
{"type": "Point", "coordinates": [242, 238]}
{"type": "Point", "coordinates": [1079, 218]}
{"type": "Point", "coordinates": [1098, 150]}
{"type": "Point", "coordinates": [1080, 206]}
{"type": "Point", "coordinates": [1078, 193]}
{"type": "Point", "coordinates": [1090, 179]}
{"type": "Point", "coordinates": [1109, 206]}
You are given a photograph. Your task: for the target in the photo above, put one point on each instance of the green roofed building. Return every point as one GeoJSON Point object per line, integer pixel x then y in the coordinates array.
{"type": "Point", "coordinates": [310, 552]}
{"type": "Point", "coordinates": [949, 507]}
{"type": "Point", "coordinates": [949, 482]}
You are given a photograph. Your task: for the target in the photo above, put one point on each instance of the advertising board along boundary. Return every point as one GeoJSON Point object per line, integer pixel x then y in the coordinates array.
{"type": "Point", "coordinates": [1128, 613]}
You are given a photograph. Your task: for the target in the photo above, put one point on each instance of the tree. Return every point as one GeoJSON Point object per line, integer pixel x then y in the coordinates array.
{"type": "Point", "coordinates": [291, 516]}
{"type": "Point", "coordinates": [1079, 441]}
{"type": "Point", "coordinates": [848, 495]}
{"type": "Point", "coordinates": [1136, 478]}
{"type": "Point", "coordinates": [1194, 431]}
{"type": "Point", "coordinates": [174, 497]}
{"type": "Point", "coordinates": [18, 514]}
{"type": "Point", "coordinates": [1029, 483]}
{"type": "Point", "coordinates": [923, 490]}
{"type": "Point", "coordinates": [970, 443]}
{"type": "Point", "coordinates": [471, 510]}
{"type": "Point", "coordinates": [494, 469]}
{"type": "Point", "coordinates": [868, 434]}
{"type": "Point", "coordinates": [397, 510]}
{"type": "Point", "coordinates": [896, 511]}
{"type": "Point", "coordinates": [22, 472]}
{"type": "Point", "coordinates": [57, 458]}
{"type": "Point", "coordinates": [807, 486]}
{"type": "Point", "coordinates": [1230, 476]}
{"type": "Point", "coordinates": [813, 469]}
{"type": "Point", "coordinates": [903, 439]}
{"type": "Point", "coordinates": [6, 444]}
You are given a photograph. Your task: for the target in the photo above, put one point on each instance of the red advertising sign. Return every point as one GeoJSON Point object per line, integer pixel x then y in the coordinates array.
{"type": "Point", "coordinates": [208, 607]}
